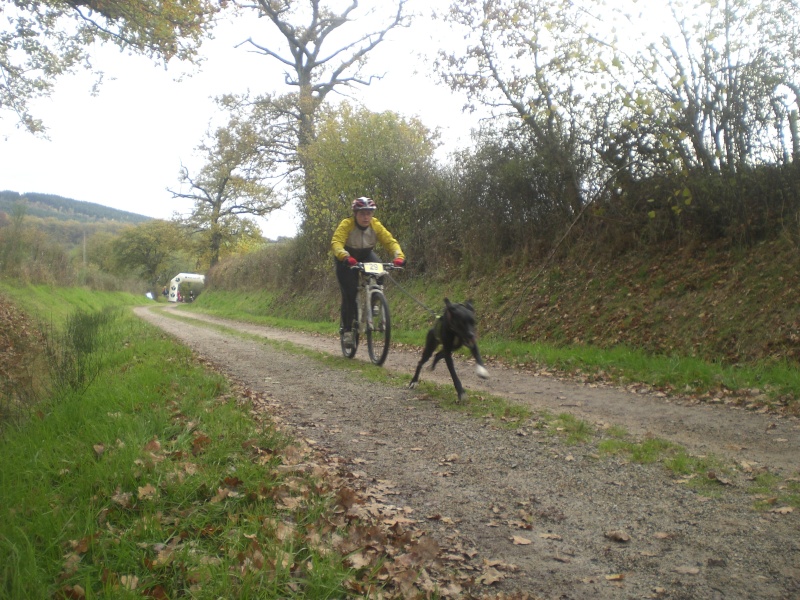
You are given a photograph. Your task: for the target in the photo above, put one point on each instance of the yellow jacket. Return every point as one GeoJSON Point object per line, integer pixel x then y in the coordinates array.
{"type": "Point", "coordinates": [348, 239]}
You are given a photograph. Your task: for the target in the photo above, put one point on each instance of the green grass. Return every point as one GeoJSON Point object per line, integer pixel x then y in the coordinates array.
{"type": "Point", "coordinates": [53, 305]}
{"type": "Point", "coordinates": [647, 451]}
{"type": "Point", "coordinates": [705, 474]}
{"type": "Point", "coordinates": [772, 491]}
{"type": "Point", "coordinates": [160, 482]}
{"type": "Point", "coordinates": [486, 406]}
{"type": "Point", "coordinates": [572, 429]}
{"type": "Point", "coordinates": [677, 374]}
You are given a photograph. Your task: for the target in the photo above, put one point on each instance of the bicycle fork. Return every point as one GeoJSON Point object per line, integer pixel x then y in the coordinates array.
{"type": "Point", "coordinates": [363, 314]}
{"type": "Point", "coordinates": [365, 304]}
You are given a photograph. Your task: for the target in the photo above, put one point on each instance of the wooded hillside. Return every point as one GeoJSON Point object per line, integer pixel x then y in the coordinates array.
{"type": "Point", "coordinates": [65, 209]}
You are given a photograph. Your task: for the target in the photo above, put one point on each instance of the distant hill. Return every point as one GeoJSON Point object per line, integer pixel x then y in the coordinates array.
{"type": "Point", "coordinates": [48, 206]}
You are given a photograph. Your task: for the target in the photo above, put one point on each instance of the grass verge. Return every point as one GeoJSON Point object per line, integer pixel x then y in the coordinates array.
{"type": "Point", "coordinates": [158, 480]}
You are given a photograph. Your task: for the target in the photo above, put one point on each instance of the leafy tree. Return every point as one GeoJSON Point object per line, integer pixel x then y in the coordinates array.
{"type": "Point", "coordinates": [504, 191]}
{"type": "Point", "coordinates": [362, 153]}
{"type": "Point", "coordinates": [12, 240]}
{"type": "Point", "coordinates": [99, 250]}
{"type": "Point", "coordinates": [149, 250]}
{"type": "Point", "coordinates": [28, 254]}
{"type": "Point", "coordinates": [236, 179]}
{"type": "Point", "coordinates": [531, 60]}
{"type": "Point", "coordinates": [43, 39]}
{"type": "Point", "coordinates": [234, 234]}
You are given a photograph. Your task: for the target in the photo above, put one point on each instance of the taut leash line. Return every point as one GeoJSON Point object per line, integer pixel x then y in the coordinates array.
{"type": "Point", "coordinates": [410, 296]}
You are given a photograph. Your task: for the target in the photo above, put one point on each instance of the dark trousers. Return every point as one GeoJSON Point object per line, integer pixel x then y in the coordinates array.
{"type": "Point", "coordinates": [348, 284]}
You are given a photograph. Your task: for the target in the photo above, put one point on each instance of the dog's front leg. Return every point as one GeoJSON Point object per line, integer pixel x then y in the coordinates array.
{"type": "Point", "coordinates": [448, 359]}
{"type": "Point", "coordinates": [415, 379]}
{"type": "Point", "coordinates": [430, 346]}
{"type": "Point", "coordinates": [480, 368]}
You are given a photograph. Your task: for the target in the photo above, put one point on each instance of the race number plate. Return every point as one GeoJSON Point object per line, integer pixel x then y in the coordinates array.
{"type": "Point", "coordinates": [373, 267]}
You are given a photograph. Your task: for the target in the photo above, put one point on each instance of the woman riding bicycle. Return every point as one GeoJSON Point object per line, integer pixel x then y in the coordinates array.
{"type": "Point", "coordinates": [354, 242]}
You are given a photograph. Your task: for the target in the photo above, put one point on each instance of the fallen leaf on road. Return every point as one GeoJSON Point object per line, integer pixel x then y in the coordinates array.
{"type": "Point", "coordinates": [562, 559]}
{"type": "Point", "coordinates": [782, 510]}
{"type": "Point", "coordinates": [618, 536]}
{"type": "Point", "coordinates": [714, 477]}
{"type": "Point", "coordinates": [122, 498]}
{"type": "Point", "coordinates": [358, 560]}
{"type": "Point", "coordinates": [500, 565]}
{"type": "Point", "coordinates": [687, 570]}
{"type": "Point", "coordinates": [662, 535]}
{"type": "Point", "coordinates": [490, 576]}
{"type": "Point", "coordinates": [520, 541]}
{"type": "Point", "coordinates": [73, 592]}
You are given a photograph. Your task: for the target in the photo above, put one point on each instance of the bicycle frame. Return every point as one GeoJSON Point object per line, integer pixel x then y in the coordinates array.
{"type": "Point", "coordinates": [367, 285]}
{"type": "Point", "coordinates": [375, 326]}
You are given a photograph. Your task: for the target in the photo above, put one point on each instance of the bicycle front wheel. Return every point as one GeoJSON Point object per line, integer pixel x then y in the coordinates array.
{"type": "Point", "coordinates": [380, 333]}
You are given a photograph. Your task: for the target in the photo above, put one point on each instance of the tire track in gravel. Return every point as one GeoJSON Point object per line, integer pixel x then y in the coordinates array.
{"type": "Point", "coordinates": [732, 432]}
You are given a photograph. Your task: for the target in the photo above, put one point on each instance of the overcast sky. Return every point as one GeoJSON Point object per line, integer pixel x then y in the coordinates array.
{"type": "Point", "coordinates": [123, 147]}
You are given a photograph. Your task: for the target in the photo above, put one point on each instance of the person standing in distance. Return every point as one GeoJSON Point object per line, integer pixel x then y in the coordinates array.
{"type": "Point", "coordinates": [353, 242]}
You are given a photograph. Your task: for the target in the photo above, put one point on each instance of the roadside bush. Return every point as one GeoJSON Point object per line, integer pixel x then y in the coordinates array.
{"type": "Point", "coordinates": [75, 355]}
{"type": "Point", "coordinates": [21, 364]}
{"type": "Point", "coordinates": [39, 362]}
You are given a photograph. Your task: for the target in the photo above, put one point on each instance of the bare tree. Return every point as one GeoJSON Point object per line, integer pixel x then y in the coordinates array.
{"type": "Point", "coordinates": [321, 49]}
{"type": "Point", "coordinates": [718, 91]}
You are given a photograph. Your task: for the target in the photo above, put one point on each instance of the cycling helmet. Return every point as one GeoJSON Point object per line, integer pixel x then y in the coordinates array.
{"type": "Point", "coordinates": [363, 203]}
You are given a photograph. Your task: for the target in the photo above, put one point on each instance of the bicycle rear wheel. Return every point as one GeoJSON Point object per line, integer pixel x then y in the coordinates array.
{"type": "Point", "coordinates": [349, 351]}
{"type": "Point", "coordinates": [380, 334]}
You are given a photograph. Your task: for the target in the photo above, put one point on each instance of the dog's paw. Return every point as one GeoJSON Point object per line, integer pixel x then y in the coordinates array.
{"type": "Point", "coordinates": [462, 397]}
{"type": "Point", "coordinates": [412, 385]}
{"type": "Point", "coordinates": [482, 372]}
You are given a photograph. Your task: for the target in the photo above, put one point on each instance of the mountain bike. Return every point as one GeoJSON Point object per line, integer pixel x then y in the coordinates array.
{"type": "Point", "coordinates": [372, 313]}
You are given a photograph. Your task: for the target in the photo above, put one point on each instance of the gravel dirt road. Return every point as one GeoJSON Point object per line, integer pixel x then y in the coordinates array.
{"type": "Point", "coordinates": [524, 512]}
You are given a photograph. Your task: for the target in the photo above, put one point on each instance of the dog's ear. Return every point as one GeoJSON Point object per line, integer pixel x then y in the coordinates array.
{"type": "Point", "coordinates": [468, 304]}
{"type": "Point", "coordinates": [447, 302]}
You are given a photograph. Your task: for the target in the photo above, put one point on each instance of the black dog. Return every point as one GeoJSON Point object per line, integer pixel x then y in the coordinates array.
{"type": "Point", "coordinates": [455, 327]}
